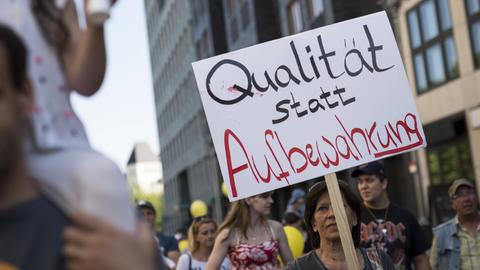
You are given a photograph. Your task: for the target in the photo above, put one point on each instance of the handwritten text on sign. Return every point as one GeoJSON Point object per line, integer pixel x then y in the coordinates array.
{"type": "Point", "coordinates": [306, 105]}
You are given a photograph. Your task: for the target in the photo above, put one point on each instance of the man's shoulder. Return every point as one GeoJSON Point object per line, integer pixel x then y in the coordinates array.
{"type": "Point", "coordinates": [168, 242]}
{"type": "Point", "coordinates": [444, 226]}
{"type": "Point", "coordinates": [36, 229]}
{"type": "Point", "coordinates": [402, 212]}
{"type": "Point", "coordinates": [52, 213]}
{"type": "Point", "coordinates": [165, 237]}
{"type": "Point", "coordinates": [307, 261]}
{"type": "Point", "coordinates": [38, 211]}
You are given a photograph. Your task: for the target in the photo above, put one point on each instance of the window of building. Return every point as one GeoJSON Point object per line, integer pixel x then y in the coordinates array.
{"type": "Point", "coordinates": [473, 14]}
{"type": "Point", "coordinates": [448, 158]}
{"type": "Point", "coordinates": [295, 18]}
{"type": "Point", "coordinates": [231, 18]}
{"type": "Point", "coordinates": [432, 44]}
{"type": "Point", "coordinates": [245, 13]}
{"type": "Point", "coordinates": [234, 28]}
{"type": "Point", "coordinates": [160, 4]}
{"type": "Point", "coordinates": [315, 8]}
{"type": "Point", "coordinates": [231, 7]}
{"type": "Point", "coordinates": [202, 46]}
{"type": "Point", "coordinates": [449, 162]}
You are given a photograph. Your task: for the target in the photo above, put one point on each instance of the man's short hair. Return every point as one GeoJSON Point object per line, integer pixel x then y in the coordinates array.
{"type": "Point", "coordinates": [16, 56]}
{"type": "Point", "coordinates": [146, 205]}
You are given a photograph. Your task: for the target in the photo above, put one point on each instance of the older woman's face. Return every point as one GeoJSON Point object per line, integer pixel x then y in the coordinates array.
{"type": "Point", "coordinates": [324, 220]}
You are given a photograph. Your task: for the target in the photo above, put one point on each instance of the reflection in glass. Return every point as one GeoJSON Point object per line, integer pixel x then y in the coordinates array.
{"type": "Point", "coordinates": [450, 52]}
{"type": "Point", "coordinates": [245, 15]}
{"type": "Point", "coordinates": [466, 160]}
{"type": "Point", "coordinates": [317, 7]}
{"type": "Point", "coordinates": [445, 14]}
{"type": "Point", "coordinates": [434, 168]}
{"type": "Point", "coordinates": [450, 166]}
{"type": "Point", "coordinates": [414, 29]}
{"type": "Point", "coordinates": [435, 65]}
{"type": "Point", "coordinates": [296, 21]}
{"type": "Point", "coordinates": [473, 6]}
{"type": "Point", "coordinates": [420, 75]}
{"type": "Point", "coordinates": [428, 17]}
{"type": "Point", "coordinates": [476, 41]}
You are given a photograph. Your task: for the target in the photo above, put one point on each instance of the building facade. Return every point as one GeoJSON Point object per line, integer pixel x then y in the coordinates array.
{"type": "Point", "coordinates": [180, 32]}
{"type": "Point", "coordinates": [144, 170]}
{"type": "Point", "coordinates": [440, 40]}
{"type": "Point", "coordinates": [444, 79]}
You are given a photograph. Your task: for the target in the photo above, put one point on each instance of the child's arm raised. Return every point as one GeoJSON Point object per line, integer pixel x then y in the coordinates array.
{"type": "Point", "coordinates": [84, 58]}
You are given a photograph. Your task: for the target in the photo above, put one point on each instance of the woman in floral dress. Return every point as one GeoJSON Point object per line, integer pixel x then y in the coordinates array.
{"type": "Point", "coordinates": [249, 238]}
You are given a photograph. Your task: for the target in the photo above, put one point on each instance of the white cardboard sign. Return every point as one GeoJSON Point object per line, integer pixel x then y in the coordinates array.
{"type": "Point", "coordinates": [306, 105]}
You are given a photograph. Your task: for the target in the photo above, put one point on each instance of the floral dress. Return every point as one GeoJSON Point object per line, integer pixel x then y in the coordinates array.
{"type": "Point", "coordinates": [262, 256]}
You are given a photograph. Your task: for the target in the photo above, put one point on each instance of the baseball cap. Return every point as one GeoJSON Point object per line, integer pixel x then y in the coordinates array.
{"type": "Point", "coordinates": [458, 183]}
{"type": "Point", "coordinates": [146, 204]}
{"type": "Point", "coordinates": [373, 167]}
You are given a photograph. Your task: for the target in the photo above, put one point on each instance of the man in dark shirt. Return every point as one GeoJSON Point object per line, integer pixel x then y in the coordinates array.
{"type": "Point", "coordinates": [167, 244]}
{"type": "Point", "coordinates": [32, 229]}
{"type": "Point", "coordinates": [30, 224]}
{"type": "Point", "coordinates": [386, 225]}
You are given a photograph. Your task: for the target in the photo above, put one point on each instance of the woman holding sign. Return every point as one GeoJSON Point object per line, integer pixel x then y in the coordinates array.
{"type": "Point", "coordinates": [325, 236]}
{"type": "Point", "coordinates": [249, 238]}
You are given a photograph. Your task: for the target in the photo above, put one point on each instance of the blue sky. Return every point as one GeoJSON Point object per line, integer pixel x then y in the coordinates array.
{"type": "Point", "coordinates": [122, 113]}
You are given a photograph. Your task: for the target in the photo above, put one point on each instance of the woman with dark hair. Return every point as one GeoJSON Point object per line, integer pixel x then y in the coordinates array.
{"type": "Point", "coordinates": [249, 238]}
{"type": "Point", "coordinates": [201, 237]}
{"type": "Point", "coordinates": [64, 58]}
{"type": "Point", "coordinates": [325, 236]}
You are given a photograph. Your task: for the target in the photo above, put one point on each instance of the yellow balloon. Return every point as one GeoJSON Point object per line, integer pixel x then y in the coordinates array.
{"type": "Point", "coordinates": [182, 245]}
{"type": "Point", "coordinates": [198, 208]}
{"type": "Point", "coordinates": [224, 189]}
{"type": "Point", "coordinates": [295, 241]}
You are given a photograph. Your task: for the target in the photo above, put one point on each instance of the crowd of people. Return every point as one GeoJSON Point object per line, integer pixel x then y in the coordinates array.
{"type": "Point", "coordinates": [385, 235]}
{"type": "Point", "coordinates": [65, 206]}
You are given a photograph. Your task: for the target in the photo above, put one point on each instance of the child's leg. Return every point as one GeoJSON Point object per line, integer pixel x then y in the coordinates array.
{"type": "Point", "coordinates": [84, 180]}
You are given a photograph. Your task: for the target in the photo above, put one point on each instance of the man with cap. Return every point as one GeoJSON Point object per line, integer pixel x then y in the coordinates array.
{"type": "Point", "coordinates": [167, 244]}
{"type": "Point", "coordinates": [387, 226]}
{"type": "Point", "coordinates": [456, 243]}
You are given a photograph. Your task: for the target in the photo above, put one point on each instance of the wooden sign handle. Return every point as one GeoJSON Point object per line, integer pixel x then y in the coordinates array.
{"type": "Point", "coordinates": [342, 222]}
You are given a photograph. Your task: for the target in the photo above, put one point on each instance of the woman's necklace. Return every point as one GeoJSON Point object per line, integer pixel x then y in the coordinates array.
{"type": "Point", "coordinates": [375, 218]}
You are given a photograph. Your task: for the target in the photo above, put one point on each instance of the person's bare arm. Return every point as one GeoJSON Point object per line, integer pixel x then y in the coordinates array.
{"type": "Point", "coordinates": [433, 254]}
{"type": "Point", "coordinates": [91, 244]}
{"type": "Point", "coordinates": [421, 262]}
{"type": "Point", "coordinates": [220, 249]}
{"type": "Point", "coordinates": [284, 249]}
{"type": "Point", "coordinates": [84, 58]}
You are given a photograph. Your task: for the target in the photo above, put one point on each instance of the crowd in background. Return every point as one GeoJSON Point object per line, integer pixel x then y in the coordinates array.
{"type": "Point", "coordinates": [55, 213]}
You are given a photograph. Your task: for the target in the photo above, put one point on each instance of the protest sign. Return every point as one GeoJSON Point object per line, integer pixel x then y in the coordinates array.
{"type": "Point", "coordinates": [308, 105]}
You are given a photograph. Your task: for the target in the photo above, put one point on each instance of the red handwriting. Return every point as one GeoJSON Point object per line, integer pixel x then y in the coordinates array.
{"type": "Point", "coordinates": [379, 141]}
